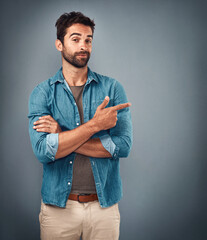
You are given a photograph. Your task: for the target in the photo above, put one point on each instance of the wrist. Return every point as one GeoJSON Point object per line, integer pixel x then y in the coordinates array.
{"type": "Point", "coordinates": [93, 126]}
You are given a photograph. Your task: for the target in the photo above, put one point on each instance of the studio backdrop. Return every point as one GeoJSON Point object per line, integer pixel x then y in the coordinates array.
{"type": "Point", "coordinates": [157, 50]}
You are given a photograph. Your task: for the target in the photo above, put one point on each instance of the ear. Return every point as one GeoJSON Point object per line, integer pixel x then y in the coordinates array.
{"type": "Point", "coordinates": [58, 45]}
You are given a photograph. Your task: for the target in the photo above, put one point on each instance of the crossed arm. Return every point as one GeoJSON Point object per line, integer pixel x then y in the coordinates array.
{"type": "Point", "coordinates": [78, 140]}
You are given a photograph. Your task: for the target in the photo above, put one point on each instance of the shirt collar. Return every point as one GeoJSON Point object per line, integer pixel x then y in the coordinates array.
{"type": "Point", "coordinates": [59, 77]}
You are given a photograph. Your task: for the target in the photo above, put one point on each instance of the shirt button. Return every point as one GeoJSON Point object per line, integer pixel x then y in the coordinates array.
{"type": "Point", "coordinates": [74, 103]}
{"type": "Point", "coordinates": [68, 183]}
{"type": "Point", "coordinates": [77, 124]}
{"type": "Point", "coordinates": [71, 162]}
{"type": "Point", "coordinates": [115, 155]}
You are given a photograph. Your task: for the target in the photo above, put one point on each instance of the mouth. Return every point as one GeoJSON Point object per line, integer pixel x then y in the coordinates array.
{"type": "Point", "coordinates": [82, 55]}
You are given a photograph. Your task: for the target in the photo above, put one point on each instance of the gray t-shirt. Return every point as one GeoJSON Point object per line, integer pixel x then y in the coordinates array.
{"type": "Point", "coordinates": [83, 180]}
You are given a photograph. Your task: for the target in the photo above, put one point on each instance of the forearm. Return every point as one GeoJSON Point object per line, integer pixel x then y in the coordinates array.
{"type": "Point", "coordinates": [69, 141]}
{"type": "Point", "coordinates": [93, 148]}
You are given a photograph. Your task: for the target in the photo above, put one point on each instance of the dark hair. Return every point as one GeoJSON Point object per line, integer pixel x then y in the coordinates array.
{"type": "Point", "coordinates": [68, 19]}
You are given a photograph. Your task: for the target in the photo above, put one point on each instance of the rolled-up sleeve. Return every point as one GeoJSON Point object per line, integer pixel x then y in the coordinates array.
{"type": "Point", "coordinates": [52, 144]}
{"type": "Point", "coordinates": [121, 134]}
{"type": "Point", "coordinates": [108, 144]}
{"type": "Point", "coordinates": [44, 145]}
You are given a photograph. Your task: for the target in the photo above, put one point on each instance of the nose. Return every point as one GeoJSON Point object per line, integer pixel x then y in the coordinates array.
{"type": "Point", "coordinates": [83, 46]}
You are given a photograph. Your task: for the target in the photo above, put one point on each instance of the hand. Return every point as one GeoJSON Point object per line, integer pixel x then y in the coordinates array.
{"type": "Point", "coordinates": [47, 124]}
{"type": "Point", "coordinates": [106, 118]}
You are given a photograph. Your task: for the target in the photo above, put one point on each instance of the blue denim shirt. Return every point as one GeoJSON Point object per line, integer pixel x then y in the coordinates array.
{"type": "Point", "coordinates": [53, 97]}
{"type": "Point", "coordinates": [52, 139]}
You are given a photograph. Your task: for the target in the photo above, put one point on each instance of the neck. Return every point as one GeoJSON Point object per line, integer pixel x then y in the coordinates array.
{"type": "Point", "coordinates": [74, 76]}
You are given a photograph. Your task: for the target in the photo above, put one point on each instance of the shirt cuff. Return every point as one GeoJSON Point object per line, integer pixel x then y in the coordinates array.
{"type": "Point", "coordinates": [52, 145]}
{"type": "Point", "coordinates": [108, 144]}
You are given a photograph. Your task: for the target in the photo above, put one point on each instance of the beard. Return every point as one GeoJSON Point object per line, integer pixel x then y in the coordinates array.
{"type": "Point", "coordinates": [75, 60]}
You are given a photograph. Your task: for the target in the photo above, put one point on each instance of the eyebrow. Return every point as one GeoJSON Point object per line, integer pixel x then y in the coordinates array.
{"type": "Point", "coordinates": [80, 35]}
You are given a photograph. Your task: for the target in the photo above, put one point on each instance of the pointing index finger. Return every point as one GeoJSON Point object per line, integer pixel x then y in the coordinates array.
{"type": "Point", "coordinates": [121, 106]}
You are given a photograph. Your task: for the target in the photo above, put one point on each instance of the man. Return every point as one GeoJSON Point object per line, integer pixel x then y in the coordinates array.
{"type": "Point", "coordinates": [79, 125]}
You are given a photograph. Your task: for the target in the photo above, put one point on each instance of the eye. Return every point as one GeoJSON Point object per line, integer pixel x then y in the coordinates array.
{"type": "Point", "coordinates": [88, 41]}
{"type": "Point", "coordinates": [75, 39]}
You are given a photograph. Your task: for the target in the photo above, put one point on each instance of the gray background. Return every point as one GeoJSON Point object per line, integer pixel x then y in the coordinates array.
{"type": "Point", "coordinates": [157, 50]}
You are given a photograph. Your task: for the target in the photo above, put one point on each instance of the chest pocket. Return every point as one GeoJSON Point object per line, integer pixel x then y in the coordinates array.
{"type": "Point", "coordinates": [95, 104]}
{"type": "Point", "coordinates": [92, 111]}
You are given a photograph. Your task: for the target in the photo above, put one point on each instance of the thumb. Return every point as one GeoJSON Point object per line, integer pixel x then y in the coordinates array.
{"type": "Point", "coordinates": [104, 103]}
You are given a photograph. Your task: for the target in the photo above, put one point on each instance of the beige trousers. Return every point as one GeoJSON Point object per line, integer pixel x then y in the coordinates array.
{"type": "Point", "coordinates": [86, 220]}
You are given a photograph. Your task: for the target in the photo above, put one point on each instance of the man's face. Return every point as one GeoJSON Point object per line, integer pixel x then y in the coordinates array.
{"type": "Point", "coordinates": [77, 45]}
